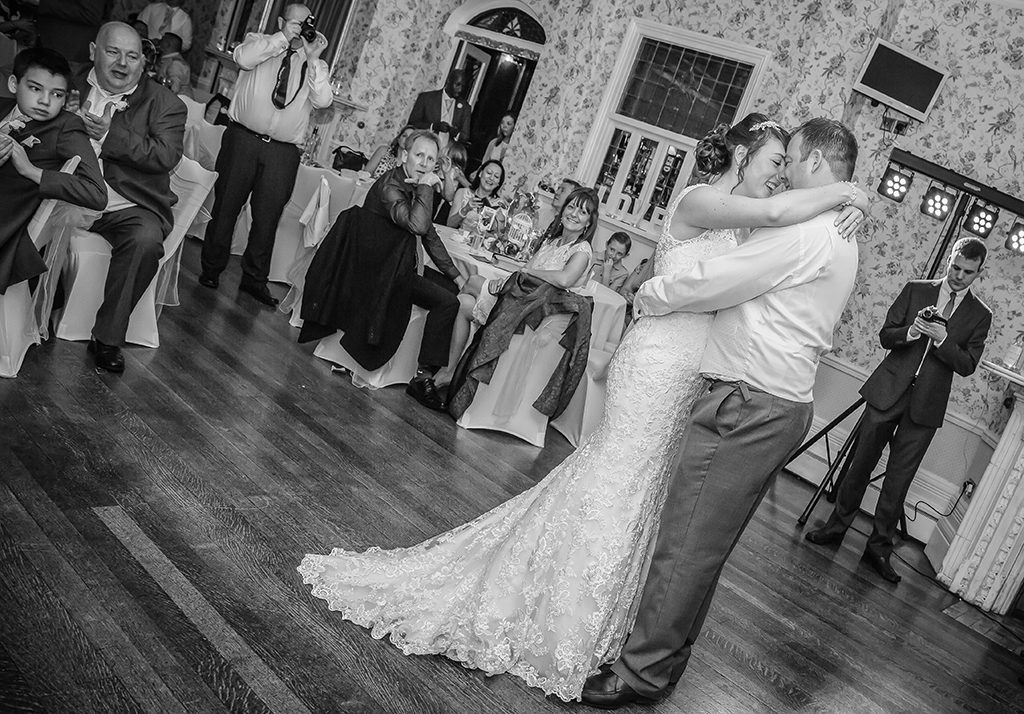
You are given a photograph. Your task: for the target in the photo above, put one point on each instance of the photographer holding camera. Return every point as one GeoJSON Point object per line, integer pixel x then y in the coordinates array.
{"type": "Point", "coordinates": [935, 328]}
{"type": "Point", "coordinates": [282, 79]}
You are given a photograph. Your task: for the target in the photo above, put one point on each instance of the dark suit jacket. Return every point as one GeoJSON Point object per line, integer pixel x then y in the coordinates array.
{"type": "Point", "coordinates": [58, 140]}
{"type": "Point", "coordinates": [960, 352]}
{"type": "Point", "coordinates": [360, 280]}
{"type": "Point", "coordinates": [426, 114]}
{"type": "Point", "coordinates": [143, 146]}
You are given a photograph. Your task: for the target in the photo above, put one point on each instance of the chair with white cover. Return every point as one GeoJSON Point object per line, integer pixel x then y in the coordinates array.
{"type": "Point", "coordinates": [19, 328]}
{"type": "Point", "coordinates": [506, 403]}
{"type": "Point", "coordinates": [86, 271]}
{"type": "Point", "coordinates": [400, 369]}
{"type": "Point", "coordinates": [586, 407]}
{"type": "Point", "coordinates": [202, 144]}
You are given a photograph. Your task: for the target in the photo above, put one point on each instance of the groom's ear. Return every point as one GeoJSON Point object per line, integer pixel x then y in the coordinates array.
{"type": "Point", "coordinates": [817, 159]}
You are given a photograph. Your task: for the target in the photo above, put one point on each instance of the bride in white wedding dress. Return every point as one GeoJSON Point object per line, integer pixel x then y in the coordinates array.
{"type": "Point", "coordinates": [545, 585]}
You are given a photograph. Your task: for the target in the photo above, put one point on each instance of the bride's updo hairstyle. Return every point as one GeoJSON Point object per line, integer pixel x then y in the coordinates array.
{"type": "Point", "coordinates": [714, 152]}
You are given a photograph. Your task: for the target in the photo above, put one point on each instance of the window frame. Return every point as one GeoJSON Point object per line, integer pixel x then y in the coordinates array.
{"type": "Point", "coordinates": [608, 119]}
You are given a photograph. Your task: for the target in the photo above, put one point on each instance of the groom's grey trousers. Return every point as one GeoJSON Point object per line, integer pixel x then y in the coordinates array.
{"type": "Point", "coordinates": [736, 440]}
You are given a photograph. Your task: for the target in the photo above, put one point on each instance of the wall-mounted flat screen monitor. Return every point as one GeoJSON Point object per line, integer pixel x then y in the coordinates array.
{"type": "Point", "coordinates": [900, 80]}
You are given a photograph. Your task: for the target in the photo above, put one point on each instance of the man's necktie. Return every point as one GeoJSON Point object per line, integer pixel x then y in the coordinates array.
{"type": "Point", "coordinates": [947, 311]}
{"type": "Point", "coordinates": [280, 96]}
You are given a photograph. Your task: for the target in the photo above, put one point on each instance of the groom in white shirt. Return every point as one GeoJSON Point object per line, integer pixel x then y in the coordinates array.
{"type": "Point", "coordinates": [778, 297]}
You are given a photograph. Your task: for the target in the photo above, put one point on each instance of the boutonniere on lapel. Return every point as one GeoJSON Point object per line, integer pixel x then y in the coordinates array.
{"type": "Point", "coordinates": [30, 141]}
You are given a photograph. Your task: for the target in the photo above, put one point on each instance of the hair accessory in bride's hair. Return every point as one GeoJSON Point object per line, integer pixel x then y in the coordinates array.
{"type": "Point", "coordinates": [720, 130]}
{"type": "Point", "coordinates": [767, 124]}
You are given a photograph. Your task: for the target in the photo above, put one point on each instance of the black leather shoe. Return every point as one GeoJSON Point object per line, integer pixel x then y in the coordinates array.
{"type": "Point", "coordinates": [823, 536]}
{"type": "Point", "coordinates": [881, 565]}
{"type": "Point", "coordinates": [260, 292]}
{"type": "Point", "coordinates": [606, 690]}
{"type": "Point", "coordinates": [210, 281]}
{"type": "Point", "coordinates": [107, 357]}
{"type": "Point", "coordinates": [423, 390]}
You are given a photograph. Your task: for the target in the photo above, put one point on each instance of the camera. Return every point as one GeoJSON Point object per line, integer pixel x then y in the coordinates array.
{"type": "Point", "coordinates": [308, 29]}
{"type": "Point", "coordinates": [931, 314]}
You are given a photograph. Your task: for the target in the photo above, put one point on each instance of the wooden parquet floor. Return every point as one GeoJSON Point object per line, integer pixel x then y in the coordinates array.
{"type": "Point", "coordinates": [150, 525]}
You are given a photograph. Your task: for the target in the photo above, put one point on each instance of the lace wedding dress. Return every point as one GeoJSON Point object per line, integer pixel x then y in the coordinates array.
{"type": "Point", "coordinates": [545, 586]}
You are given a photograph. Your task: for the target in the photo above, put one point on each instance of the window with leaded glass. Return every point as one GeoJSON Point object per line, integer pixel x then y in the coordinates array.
{"type": "Point", "coordinates": [669, 88]}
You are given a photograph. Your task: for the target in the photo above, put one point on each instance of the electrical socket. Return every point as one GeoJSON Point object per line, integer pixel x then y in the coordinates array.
{"type": "Point", "coordinates": [969, 487]}
{"type": "Point", "coordinates": [894, 126]}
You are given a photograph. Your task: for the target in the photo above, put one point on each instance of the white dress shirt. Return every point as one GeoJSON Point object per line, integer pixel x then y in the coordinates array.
{"type": "Point", "coordinates": [778, 297]}
{"type": "Point", "coordinates": [98, 100]}
{"type": "Point", "coordinates": [259, 58]}
{"type": "Point", "coordinates": [155, 14]}
{"type": "Point", "coordinates": [940, 305]}
{"type": "Point", "coordinates": [447, 107]}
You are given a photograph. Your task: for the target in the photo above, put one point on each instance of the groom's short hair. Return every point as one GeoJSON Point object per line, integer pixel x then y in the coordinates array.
{"type": "Point", "coordinates": [837, 145]}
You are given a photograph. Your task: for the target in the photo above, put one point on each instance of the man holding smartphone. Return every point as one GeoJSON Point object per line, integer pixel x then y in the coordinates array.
{"type": "Point", "coordinates": [933, 329]}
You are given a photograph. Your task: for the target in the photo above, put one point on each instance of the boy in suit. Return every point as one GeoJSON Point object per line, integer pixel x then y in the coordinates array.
{"type": "Point", "coordinates": [36, 139]}
{"type": "Point", "coordinates": [933, 329]}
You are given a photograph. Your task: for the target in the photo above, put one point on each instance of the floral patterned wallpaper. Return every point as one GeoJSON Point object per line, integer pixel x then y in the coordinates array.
{"type": "Point", "coordinates": [817, 47]}
{"type": "Point", "coordinates": [977, 129]}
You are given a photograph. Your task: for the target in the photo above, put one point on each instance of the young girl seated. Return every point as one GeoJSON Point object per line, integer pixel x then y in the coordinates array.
{"type": "Point", "coordinates": [563, 259]}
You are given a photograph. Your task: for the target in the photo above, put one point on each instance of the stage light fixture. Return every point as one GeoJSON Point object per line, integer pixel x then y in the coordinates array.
{"type": "Point", "coordinates": [1015, 238]}
{"type": "Point", "coordinates": [937, 202]}
{"type": "Point", "coordinates": [980, 219]}
{"type": "Point", "coordinates": [895, 183]}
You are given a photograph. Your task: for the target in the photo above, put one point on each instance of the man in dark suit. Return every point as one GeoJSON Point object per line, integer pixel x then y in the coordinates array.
{"type": "Point", "coordinates": [444, 111]}
{"type": "Point", "coordinates": [367, 274]}
{"type": "Point", "coordinates": [907, 393]}
{"type": "Point", "coordinates": [36, 139]}
{"type": "Point", "coordinates": [137, 127]}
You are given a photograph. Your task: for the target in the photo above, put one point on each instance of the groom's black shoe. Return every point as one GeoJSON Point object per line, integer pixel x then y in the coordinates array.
{"type": "Point", "coordinates": [606, 690]}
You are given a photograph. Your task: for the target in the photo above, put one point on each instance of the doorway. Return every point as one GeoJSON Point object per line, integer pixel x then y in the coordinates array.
{"type": "Point", "coordinates": [498, 43]}
{"type": "Point", "coordinates": [498, 83]}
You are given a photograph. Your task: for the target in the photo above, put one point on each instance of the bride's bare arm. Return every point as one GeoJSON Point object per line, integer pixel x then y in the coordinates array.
{"type": "Point", "coordinates": [705, 207]}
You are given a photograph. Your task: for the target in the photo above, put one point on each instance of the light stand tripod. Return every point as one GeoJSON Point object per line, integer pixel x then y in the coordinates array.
{"type": "Point", "coordinates": [838, 469]}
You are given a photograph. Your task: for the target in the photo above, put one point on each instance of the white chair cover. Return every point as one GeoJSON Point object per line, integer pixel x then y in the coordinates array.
{"type": "Point", "coordinates": [89, 260]}
{"type": "Point", "coordinates": [202, 144]}
{"type": "Point", "coordinates": [19, 325]}
{"type": "Point", "coordinates": [399, 370]}
{"type": "Point", "coordinates": [587, 405]}
{"type": "Point", "coordinates": [522, 372]}
{"type": "Point", "coordinates": [196, 110]}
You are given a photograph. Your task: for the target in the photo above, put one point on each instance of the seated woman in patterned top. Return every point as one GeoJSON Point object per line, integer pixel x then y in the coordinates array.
{"type": "Point", "coordinates": [563, 259]}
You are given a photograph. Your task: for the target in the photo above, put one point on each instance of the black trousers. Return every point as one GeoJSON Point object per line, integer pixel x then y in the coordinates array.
{"type": "Point", "coordinates": [908, 442]}
{"type": "Point", "coordinates": [137, 244]}
{"type": "Point", "coordinates": [439, 296]}
{"type": "Point", "coordinates": [248, 165]}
